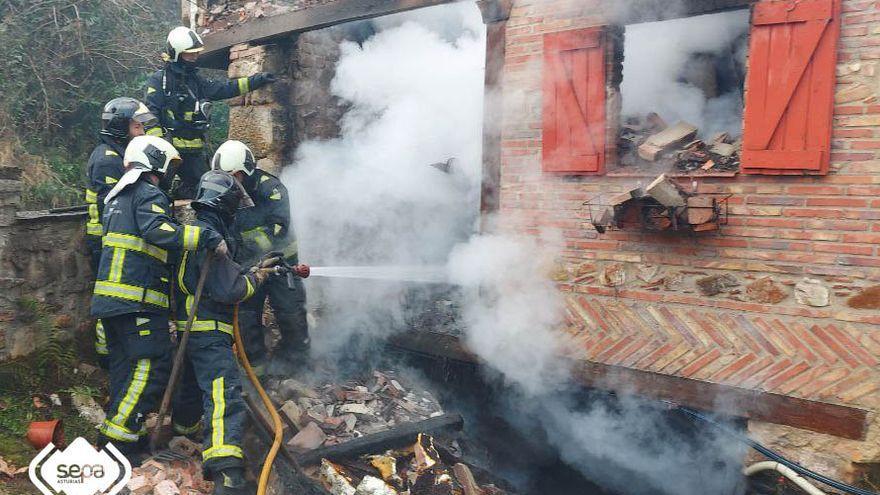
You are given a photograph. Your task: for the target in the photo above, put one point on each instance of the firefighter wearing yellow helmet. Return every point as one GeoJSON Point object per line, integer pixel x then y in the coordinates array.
{"type": "Point", "coordinates": [180, 97]}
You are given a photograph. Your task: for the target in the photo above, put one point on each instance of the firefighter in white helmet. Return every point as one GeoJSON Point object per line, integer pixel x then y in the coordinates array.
{"type": "Point", "coordinates": [131, 293]}
{"type": "Point", "coordinates": [266, 228]}
{"type": "Point", "coordinates": [180, 97]}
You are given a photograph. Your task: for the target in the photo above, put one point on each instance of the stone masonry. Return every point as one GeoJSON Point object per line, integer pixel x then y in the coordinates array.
{"type": "Point", "coordinates": [43, 260]}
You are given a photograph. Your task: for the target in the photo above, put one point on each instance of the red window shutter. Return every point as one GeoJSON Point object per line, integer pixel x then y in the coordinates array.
{"type": "Point", "coordinates": [790, 87]}
{"type": "Point", "coordinates": [574, 102]}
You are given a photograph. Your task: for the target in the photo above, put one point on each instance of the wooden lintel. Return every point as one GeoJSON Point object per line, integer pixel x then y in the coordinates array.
{"type": "Point", "coordinates": [495, 10]}
{"type": "Point", "coordinates": [832, 419]}
{"type": "Point", "coordinates": [217, 44]}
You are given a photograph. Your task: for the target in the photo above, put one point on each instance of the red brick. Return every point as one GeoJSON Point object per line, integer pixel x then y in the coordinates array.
{"type": "Point", "coordinates": [865, 145]}
{"type": "Point", "coordinates": [848, 225]}
{"type": "Point", "coordinates": [851, 157]}
{"type": "Point", "coordinates": [841, 201]}
{"type": "Point", "coordinates": [824, 247]}
{"type": "Point", "coordinates": [862, 238]}
{"type": "Point", "coordinates": [815, 190]}
{"type": "Point", "coordinates": [849, 110]}
{"type": "Point", "coordinates": [853, 133]}
{"type": "Point", "coordinates": [814, 213]}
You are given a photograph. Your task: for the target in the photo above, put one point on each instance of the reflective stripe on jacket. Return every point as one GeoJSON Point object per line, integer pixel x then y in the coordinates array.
{"type": "Point", "coordinates": [103, 171]}
{"type": "Point", "coordinates": [227, 282]}
{"type": "Point", "coordinates": [139, 235]}
{"type": "Point", "coordinates": [266, 226]}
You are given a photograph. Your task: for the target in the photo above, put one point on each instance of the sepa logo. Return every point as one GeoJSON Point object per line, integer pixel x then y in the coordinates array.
{"type": "Point", "coordinates": [80, 469]}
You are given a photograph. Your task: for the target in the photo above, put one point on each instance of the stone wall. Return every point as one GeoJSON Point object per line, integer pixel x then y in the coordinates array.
{"type": "Point", "coordinates": [300, 106]}
{"type": "Point", "coordinates": [43, 260]}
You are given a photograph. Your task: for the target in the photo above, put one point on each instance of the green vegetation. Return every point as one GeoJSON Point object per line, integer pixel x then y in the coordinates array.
{"type": "Point", "coordinates": [27, 385]}
{"type": "Point", "coordinates": [63, 59]}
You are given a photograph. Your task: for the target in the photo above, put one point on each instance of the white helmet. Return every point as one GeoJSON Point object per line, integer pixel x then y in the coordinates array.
{"type": "Point", "coordinates": [233, 156]}
{"type": "Point", "coordinates": [183, 40]}
{"type": "Point", "coordinates": [150, 153]}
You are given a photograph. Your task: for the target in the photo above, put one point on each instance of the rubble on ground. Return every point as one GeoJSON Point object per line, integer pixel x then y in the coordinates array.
{"type": "Point", "coordinates": [174, 477]}
{"type": "Point", "coordinates": [221, 15]}
{"type": "Point", "coordinates": [420, 469]}
{"type": "Point", "coordinates": [333, 413]}
{"type": "Point", "coordinates": [651, 141]}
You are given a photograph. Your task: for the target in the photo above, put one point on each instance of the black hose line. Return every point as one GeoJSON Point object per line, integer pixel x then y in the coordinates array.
{"type": "Point", "coordinates": [838, 485]}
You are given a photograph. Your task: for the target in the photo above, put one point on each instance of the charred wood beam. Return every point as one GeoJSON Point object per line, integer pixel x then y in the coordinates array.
{"type": "Point", "coordinates": [495, 14]}
{"type": "Point", "coordinates": [832, 419]}
{"type": "Point", "coordinates": [403, 435]}
{"type": "Point", "coordinates": [217, 44]}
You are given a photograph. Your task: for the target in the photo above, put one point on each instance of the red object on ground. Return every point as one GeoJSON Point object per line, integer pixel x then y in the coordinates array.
{"type": "Point", "coordinates": [40, 433]}
{"type": "Point", "coordinates": [302, 270]}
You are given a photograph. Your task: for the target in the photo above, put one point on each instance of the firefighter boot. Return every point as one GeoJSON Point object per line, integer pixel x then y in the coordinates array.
{"type": "Point", "coordinates": [231, 481]}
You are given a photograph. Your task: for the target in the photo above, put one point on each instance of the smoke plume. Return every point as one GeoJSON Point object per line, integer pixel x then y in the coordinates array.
{"type": "Point", "coordinates": [666, 62]}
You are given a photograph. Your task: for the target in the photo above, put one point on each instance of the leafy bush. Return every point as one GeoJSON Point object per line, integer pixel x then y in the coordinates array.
{"type": "Point", "coordinates": [63, 59]}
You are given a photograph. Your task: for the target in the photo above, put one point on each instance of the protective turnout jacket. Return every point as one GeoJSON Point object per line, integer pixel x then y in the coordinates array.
{"type": "Point", "coordinates": [172, 94]}
{"type": "Point", "coordinates": [140, 237]}
{"type": "Point", "coordinates": [266, 226]}
{"type": "Point", "coordinates": [227, 283]}
{"type": "Point", "coordinates": [103, 170]}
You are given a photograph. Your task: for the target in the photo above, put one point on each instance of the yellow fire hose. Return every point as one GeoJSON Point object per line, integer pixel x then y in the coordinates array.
{"type": "Point", "coordinates": [276, 419]}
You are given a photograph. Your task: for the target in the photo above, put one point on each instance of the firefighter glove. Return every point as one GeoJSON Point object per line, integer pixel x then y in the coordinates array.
{"type": "Point", "coordinates": [261, 79]}
{"type": "Point", "coordinates": [270, 259]}
{"type": "Point", "coordinates": [221, 249]}
{"type": "Point", "coordinates": [262, 274]}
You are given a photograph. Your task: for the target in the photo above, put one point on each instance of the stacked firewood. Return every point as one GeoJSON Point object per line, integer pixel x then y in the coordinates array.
{"type": "Point", "coordinates": [651, 140]}
{"type": "Point", "coordinates": [661, 206]}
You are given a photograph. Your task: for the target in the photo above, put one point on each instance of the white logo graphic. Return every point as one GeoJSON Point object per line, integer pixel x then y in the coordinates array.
{"type": "Point", "coordinates": [80, 469]}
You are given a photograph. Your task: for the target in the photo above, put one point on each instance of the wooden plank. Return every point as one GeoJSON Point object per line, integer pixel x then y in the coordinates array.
{"type": "Point", "coordinates": [666, 192]}
{"type": "Point", "coordinates": [495, 14]}
{"type": "Point", "coordinates": [788, 111]}
{"type": "Point", "coordinates": [574, 102]}
{"type": "Point", "coordinates": [822, 417]}
{"type": "Point", "coordinates": [466, 479]}
{"type": "Point", "coordinates": [700, 209]}
{"type": "Point", "coordinates": [781, 12]}
{"type": "Point", "coordinates": [217, 44]}
{"type": "Point", "coordinates": [667, 138]}
{"type": "Point", "coordinates": [376, 443]}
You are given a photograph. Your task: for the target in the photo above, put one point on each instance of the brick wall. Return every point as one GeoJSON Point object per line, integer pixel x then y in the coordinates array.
{"type": "Point", "coordinates": [633, 297]}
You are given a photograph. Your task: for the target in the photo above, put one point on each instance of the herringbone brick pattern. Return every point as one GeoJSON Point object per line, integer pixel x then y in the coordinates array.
{"type": "Point", "coordinates": [812, 359]}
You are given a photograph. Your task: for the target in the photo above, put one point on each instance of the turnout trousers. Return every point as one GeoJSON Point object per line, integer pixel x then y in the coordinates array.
{"type": "Point", "coordinates": [140, 363]}
{"type": "Point", "coordinates": [289, 308]}
{"type": "Point", "coordinates": [93, 243]}
{"type": "Point", "coordinates": [210, 393]}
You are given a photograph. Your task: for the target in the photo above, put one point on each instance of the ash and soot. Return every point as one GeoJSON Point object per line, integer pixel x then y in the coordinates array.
{"type": "Point", "coordinates": [370, 199]}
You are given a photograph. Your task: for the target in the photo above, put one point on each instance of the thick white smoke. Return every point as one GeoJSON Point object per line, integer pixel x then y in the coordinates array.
{"type": "Point", "coordinates": [370, 197]}
{"type": "Point", "coordinates": [656, 55]}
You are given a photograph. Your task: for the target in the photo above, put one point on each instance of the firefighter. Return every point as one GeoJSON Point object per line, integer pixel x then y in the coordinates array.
{"type": "Point", "coordinates": [180, 98]}
{"type": "Point", "coordinates": [266, 228]}
{"type": "Point", "coordinates": [131, 292]}
{"type": "Point", "coordinates": [210, 365]}
{"type": "Point", "coordinates": [121, 120]}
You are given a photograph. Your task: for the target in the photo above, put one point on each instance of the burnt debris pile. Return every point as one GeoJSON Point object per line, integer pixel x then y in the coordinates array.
{"type": "Point", "coordinates": [650, 141]}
